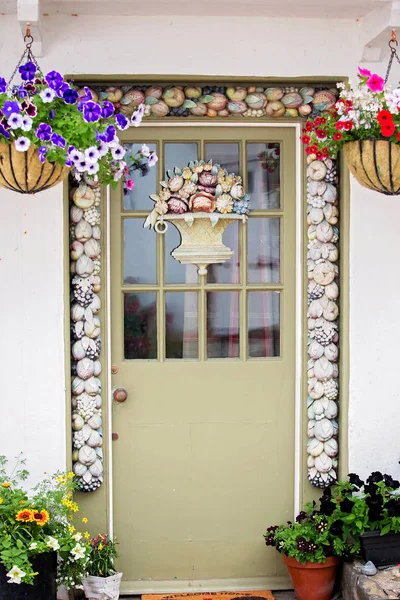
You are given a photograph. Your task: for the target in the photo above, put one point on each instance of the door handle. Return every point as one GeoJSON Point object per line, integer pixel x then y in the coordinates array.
{"type": "Point", "coordinates": [120, 395]}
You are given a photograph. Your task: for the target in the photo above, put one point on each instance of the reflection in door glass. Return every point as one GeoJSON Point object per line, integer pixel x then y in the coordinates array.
{"type": "Point", "coordinates": [140, 257]}
{"type": "Point", "coordinates": [175, 272]}
{"type": "Point", "coordinates": [140, 325]}
{"type": "Point", "coordinates": [263, 250]}
{"type": "Point", "coordinates": [145, 179]}
{"type": "Point", "coordinates": [226, 155]}
{"type": "Point", "coordinates": [263, 172]}
{"type": "Point", "coordinates": [181, 327]}
{"type": "Point", "coordinates": [229, 271]}
{"type": "Point", "coordinates": [179, 154]}
{"type": "Point", "coordinates": [223, 324]}
{"type": "Point", "coordinates": [264, 324]}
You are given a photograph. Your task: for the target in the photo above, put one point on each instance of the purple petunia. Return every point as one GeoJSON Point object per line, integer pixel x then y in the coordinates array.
{"type": "Point", "coordinates": [102, 148]}
{"type": "Point", "coordinates": [121, 122]}
{"type": "Point", "coordinates": [107, 110]}
{"type": "Point", "coordinates": [51, 114]}
{"type": "Point", "coordinates": [62, 89]}
{"type": "Point", "coordinates": [153, 158]}
{"type": "Point", "coordinates": [54, 80]}
{"type": "Point", "coordinates": [109, 134]}
{"type": "Point", "coordinates": [30, 110]}
{"type": "Point", "coordinates": [136, 118]}
{"type": "Point", "coordinates": [118, 152]}
{"type": "Point", "coordinates": [9, 108]}
{"type": "Point", "coordinates": [68, 162]}
{"type": "Point", "coordinates": [3, 85]}
{"type": "Point", "coordinates": [43, 132]}
{"type": "Point", "coordinates": [42, 151]}
{"type": "Point", "coordinates": [22, 93]}
{"type": "Point", "coordinates": [58, 140]}
{"type": "Point", "coordinates": [70, 96]}
{"type": "Point", "coordinates": [28, 71]}
{"type": "Point", "coordinates": [81, 165]}
{"type": "Point", "coordinates": [91, 112]}
{"type": "Point", "coordinates": [4, 132]}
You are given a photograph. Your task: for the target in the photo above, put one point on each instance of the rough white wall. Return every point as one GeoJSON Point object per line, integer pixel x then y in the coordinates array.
{"type": "Point", "coordinates": [31, 284]}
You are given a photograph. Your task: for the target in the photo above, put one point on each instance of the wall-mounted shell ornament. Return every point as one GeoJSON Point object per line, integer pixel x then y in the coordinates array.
{"type": "Point", "coordinates": [316, 170]}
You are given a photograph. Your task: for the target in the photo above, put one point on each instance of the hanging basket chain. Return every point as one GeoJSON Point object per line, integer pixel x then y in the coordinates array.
{"type": "Point", "coordinates": [26, 56]}
{"type": "Point", "coordinates": [393, 53]}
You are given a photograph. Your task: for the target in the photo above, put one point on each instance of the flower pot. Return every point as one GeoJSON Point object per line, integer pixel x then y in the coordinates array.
{"type": "Point", "coordinates": [102, 588]}
{"type": "Point", "coordinates": [312, 581]}
{"type": "Point", "coordinates": [45, 586]}
{"type": "Point", "coordinates": [201, 237]}
{"type": "Point", "coordinates": [375, 164]}
{"type": "Point", "coordinates": [380, 549]}
{"type": "Point", "coordinates": [23, 172]}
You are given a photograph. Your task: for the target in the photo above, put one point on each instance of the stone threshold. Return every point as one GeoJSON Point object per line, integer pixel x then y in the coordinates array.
{"type": "Point", "coordinates": [382, 586]}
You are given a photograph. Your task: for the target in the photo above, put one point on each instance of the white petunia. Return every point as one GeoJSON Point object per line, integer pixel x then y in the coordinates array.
{"type": "Point", "coordinates": [78, 552]}
{"type": "Point", "coordinates": [145, 150]}
{"type": "Point", "coordinates": [47, 95]}
{"type": "Point", "coordinates": [77, 537]}
{"type": "Point", "coordinates": [26, 123]}
{"type": "Point", "coordinates": [118, 152]}
{"type": "Point", "coordinates": [92, 155]}
{"type": "Point", "coordinates": [15, 121]}
{"type": "Point", "coordinates": [33, 546]}
{"type": "Point", "coordinates": [22, 144]}
{"type": "Point", "coordinates": [53, 543]}
{"type": "Point", "coordinates": [15, 575]}
{"type": "Point", "coordinates": [93, 168]}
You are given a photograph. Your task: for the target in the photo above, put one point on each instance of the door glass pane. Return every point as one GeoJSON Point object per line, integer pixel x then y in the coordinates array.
{"type": "Point", "coordinates": [226, 155]}
{"type": "Point", "coordinates": [174, 271]}
{"type": "Point", "coordinates": [140, 325]}
{"type": "Point", "coordinates": [140, 257]}
{"type": "Point", "coordinates": [223, 324]}
{"type": "Point", "coordinates": [182, 338]}
{"type": "Point", "coordinates": [229, 271]}
{"type": "Point", "coordinates": [263, 172]}
{"type": "Point", "coordinates": [263, 250]}
{"type": "Point", "coordinates": [264, 324]}
{"type": "Point", "coordinates": [145, 182]}
{"type": "Point", "coordinates": [179, 154]}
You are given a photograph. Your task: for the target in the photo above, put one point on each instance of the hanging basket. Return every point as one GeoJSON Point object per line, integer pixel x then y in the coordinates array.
{"type": "Point", "coordinates": [23, 172]}
{"type": "Point", "coordinates": [201, 237]}
{"type": "Point", "coordinates": [102, 588]}
{"type": "Point", "coordinates": [375, 164]}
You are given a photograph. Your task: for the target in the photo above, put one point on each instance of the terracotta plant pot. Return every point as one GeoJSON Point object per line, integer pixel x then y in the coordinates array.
{"type": "Point", "coordinates": [312, 581]}
{"type": "Point", "coordinates": [375, 164]}
{"type": "Point", "coordinates": [23, 172]}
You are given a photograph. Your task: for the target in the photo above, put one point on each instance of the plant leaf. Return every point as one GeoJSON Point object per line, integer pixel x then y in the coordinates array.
{"type": "Point", "coordinates": [206, 98]}
{"type": "Point", "coordinates": [151, 100]}
{"type": "Point", "coordinates": [189, 104]}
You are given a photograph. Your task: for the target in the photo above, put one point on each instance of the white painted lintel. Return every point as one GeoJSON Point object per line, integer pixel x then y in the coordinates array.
{"type": "Point", "coordinates": [376, 29]}
{"type": "Point", "coordinates": [29, 12]}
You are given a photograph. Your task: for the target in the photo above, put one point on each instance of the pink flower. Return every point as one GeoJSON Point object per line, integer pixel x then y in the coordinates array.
{"type": "Point", "coordinates": [129, 184]}
{"type": "Point", "coordinates": [364, 72]}
{"type": "Point", "coordinates": [375, 83]}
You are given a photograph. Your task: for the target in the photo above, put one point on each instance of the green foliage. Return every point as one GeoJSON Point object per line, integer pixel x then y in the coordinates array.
{"type": "Point", "coordinates": [102, 556]}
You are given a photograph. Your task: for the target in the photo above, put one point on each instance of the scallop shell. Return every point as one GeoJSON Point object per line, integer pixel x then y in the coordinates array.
{"type": "Point", "coordinates": [331, 352]}
{"type": "Point", "coordinates": [85, 368]}
{"type": "Point", "coordinates": [92, 386]}
{"type": "Point", "coordinates": [315, 216]}
{"type": "Point", "coordinates": [331, 311]}
{"type": "Point", "coordinates": [83, 231]}
{"type": "Point", "coordinates": [323, 463]}
{"type": "Point", "coordinates": [324, 232]}
{"type": "Point", "coordinates": [77, 312]}
{"type": "Point", "coordinates": [331, 410]}
{"type": "Point", "coordinates": [324, 273]}
{"type": "Point", "coordinates": [316, 170]}
{"type": "Point", "coordinates": [95, 421]}
{"type": "Point", "coordinates": [87, 455]}
{"type": "Point", "coordinates": [92, 248]}
{"type": "Point", "coordinates": [315, 350]}
{"type": "Point", "coordinates": [96, 469]}
{"type": "Point", "coordinates": [94, 440]}
{"type": "Point", "coordinates": [76, 214]}
{"type": "Point", "coordinates": [314, 447]}
{"type": "Point", "coordinates": [323, 430]}
{"type": "Point", "coordinates": [84, 266]}
{"type": "Point", "coordinates": [275, 109]}
{"type": "Point", "coordinates": [323, 369]}
{"type": "Point", "coordinates": [78, 386]}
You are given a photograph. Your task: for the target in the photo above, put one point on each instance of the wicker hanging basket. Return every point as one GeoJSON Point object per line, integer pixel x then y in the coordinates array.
{"type": "Point", "coordinates": [375, 164]}
{"type": "Point", "coordinates": [23, 172]}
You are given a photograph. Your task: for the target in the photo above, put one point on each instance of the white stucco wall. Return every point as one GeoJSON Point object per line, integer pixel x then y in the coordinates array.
{"type": "Point", "coordinates": [31, 280]}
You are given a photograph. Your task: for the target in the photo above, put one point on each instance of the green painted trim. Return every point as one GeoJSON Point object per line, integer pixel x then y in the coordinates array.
{"type": "Point", "coordinates": [181, 79]}
{"type": "Point", "coordinates": [67, 326]}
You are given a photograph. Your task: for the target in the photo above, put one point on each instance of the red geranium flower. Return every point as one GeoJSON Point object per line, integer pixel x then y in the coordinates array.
{"type": "Point", "coordinates": [398, 137]}
{"type": "Point", "coordinates": [320, 133]}
{"type": "Point", "coordinates": [337, 136]}
{"type": "Point", "coordinates": [384, 117]}
{"type": "Point", "coordinates": [308, 126]}
{"type": "Point", "coordinates": [339, 125]}
{"type": "Point", "coordinates": [317, 122]}
{"type": "Point", "coordinates": [348, 125]}
{"type": "Point", "coordinates": [388, 130]}
{"type": "Point", "coordinates": [319, 155]}
{"type": "Point", "coordinates": [312, 149]}
{"type": "Point", "coordinates": [325, 152]}
{"type": "Point", "coordinates": [322, 120]}
{"type": "Point", "coordinates": [305, 139]}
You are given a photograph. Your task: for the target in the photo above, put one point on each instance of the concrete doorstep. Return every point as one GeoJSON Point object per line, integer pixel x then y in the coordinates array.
{"type": "Point", "coordinates": [385, 585]}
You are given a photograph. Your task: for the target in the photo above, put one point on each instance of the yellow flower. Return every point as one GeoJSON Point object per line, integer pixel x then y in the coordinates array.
{"type": "Point", "coordinates": [85, 520]}
{"type": "Point", "coordinates": [100, 546]}
{"type": "Point", "coordinates": [70, 475]}
{"type": "Point", "coordinates": [1, 500]}
{"type": "Point", "coordinates": [187, 173]}
{"type": "Point", "coordinates": [86, 535]}
{"type": "Point", "coordinates": [71, 529]}
{"type": "Point", "coordinates": [41, 517]}
{"type": "Point", "coordinates": [6, 484]}
{"type": "Point", "coordinates": [25, 516]}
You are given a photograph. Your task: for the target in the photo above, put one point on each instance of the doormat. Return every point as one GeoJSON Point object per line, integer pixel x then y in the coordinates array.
{"type": "Point", "coordinates": [247, 595]}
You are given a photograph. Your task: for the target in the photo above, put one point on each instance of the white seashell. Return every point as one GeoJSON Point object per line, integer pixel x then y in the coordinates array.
{"type": "Point", "coordinates": [77, 312]}
{"type": "Point", "coordinates": [310, 461]}
{"type": "Point", "coordinates": [315, 309]}
{"type": "Point", "coordinates": [77, 422]}
{"type": "Point", "coordinates": [95, 421]}
{"type": "Point", "coordinates": [85, 368]}
{"type": "Point", "coordinates": [323, 463]}
{"type": "Point", "coordinates": [92, 328]}
{"type": "Point", "coordinates": [78, 386]}
{"type": "Point", "coordinates": [83, 231]}
{"type": "Point", "coordinates": [324, 232]}
{"type": "Point", "coordinates": [84, 266]}
{"type": "Point", "coordinates": [331, 352]}
{"type": "Point", "coordinates": [330, 194]}
{"type": "Point", "coordinates": [87, 455]}
{"type": "Point", "coordinates": [79, 469]}
{"type": "Point", "coordinates": [311, 324]}
{"type": "Point", "coordinates": [91, 386]}
{"type": "Point", "coordinates": [76, 250]}
{"type": "Point", "coordinates": [331, 213]}
{"type": "Point", "coordinates": [332, 291]}
{"type": "Point", "coordinates": [97, 367]}
{"type": "Point", "coordinates": [331, 312]}
{"type": "Point", "coordinates": [79, 349]}
{"type": "Point", "coordinates": [96, 232]}
{"type": "Point", "coordinates": [312, 187]}
{"type": "Point", "coordinates": [98, 401]}
{"type": "Point", "coordinates": [331, 410]}
{"type": "Point", "coordinates": [318, 407]}
{"type": "Point", "coordinates": [316, 170]}
{"type": "Point", "coordinates": [92, 248]}
{"type": "Point", "coordinates": [84, 196]}
{"type": "Point", "coordinates": [86, 431]}
{"type": "Point", "coordinates": [315, 388]}
{"type": "Point", "coordinates": [311, 413]}
{"type": "Point", "coordinates": [312, 232]}
{"type": "Point", "coordinates": [324, 273]}
{"type": "Point", "coordinates": [312, 473]}
{"type": "Point", "coordinates": [331, 447]}
{"type": "Point", "coordinates": [315, 350]}
{"type": "Point", "coordinates": [95, 306]}
{"type": "Point", "coordinates": [76, 214]}
{"type": "Point", "coordinates": [315, 216]}
{"type": "Point", "coordinates": [314, 447]}
{"type": "Point", "coordinates": [324, 430]}
{"type": "Point", "coordinates": [94, 440]}
{"type": "Point", "coordinates": [310, 428]}
{"type": "Point", "coordinates": [331, 389]}
{"type": "Point", "coordinates": [96, 468]}
{"type": "Point", "coordinates": [323, 369]}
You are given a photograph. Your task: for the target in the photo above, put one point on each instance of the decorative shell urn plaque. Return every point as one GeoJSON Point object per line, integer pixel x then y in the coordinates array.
{"type": "Point", "coordinates": [200, 200]}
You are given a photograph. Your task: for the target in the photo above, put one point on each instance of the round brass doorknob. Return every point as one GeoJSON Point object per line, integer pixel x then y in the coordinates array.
{"type": "Point", "coordinates": [120, 395]}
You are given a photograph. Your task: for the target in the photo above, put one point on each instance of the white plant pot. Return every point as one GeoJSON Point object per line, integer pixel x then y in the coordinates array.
{"type": "Point", "coordinates": [102, 588]}
{"type": "Point", "coordinates": [201, 237]}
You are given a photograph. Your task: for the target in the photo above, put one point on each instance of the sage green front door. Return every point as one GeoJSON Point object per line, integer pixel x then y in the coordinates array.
{"type": "Point", "coordinates": [204, 459]}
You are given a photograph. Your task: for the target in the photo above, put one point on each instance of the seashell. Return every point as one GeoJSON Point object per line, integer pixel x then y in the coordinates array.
{"type": "Point", "coordinates": [130, 101]}
{"type": "Point", "coordinates": [84, 266]}
{"type": "Point", "coordinates": [237, 107]}
{"type": "Point", "coordinates": [83, 231]}
{"type": "Point", "coordinates": [236, 94]}
{"type": "Point", "coordinates": [79, 469]}
{"type": "Point", "coordinates": [316, 170]}
{"type": "Point", "coordinates": [275, 109]}
{"type": "Point", "coordinates": [76, 214]}
{"type": "Point", "coordinates": [330, 194]}
{"type": "Point", "coordinates": [77, 250]}
{"type": "Point", "coordinates": [323, 463]}
{"type": "Point", "coordinates": [114, 94]}
{"type": "Point", "coordinates": [77, 422]}
{"type": "Point", "coordinates": [199, 110]}
{"type": "Point", "coordinates": [96, 304]}
{"type": "Point", "coordinates": [87, 455]}
{"type": "Point", "coordinates": [97, 367]}
{"type": "Point", "coordinates": [331, 311]}
{"type": "Point", "coordinates": [315, 388]}
{"type": "Point", "coordinates": [331, 352]}
{"type": "Point", "coordinates": [315, 216]}
{"type": "Point", "coordinates": [314, 447]}
{"type": "Point", "coordinates": [202, 202]}
{"type": "Point", "coordinates": [77, 386]}
{"type": "Point", "coordinates": [83, 196]}
{"type": "Point", "coordinates": [154, 91]}
{"type": "Point", "coordinates": [310, 428]}
{"type": "Point", "coordinates": [78, 329]}
{"type": "Point", "coordinates": [175, 183]}
{"type": "Point", "coordinates": [224, 204]}
{"type": "Point", "coordinates": [324, 232]}
{"type": "Point", "coordinates": [92, 248]}
{"type": "Point", "coordinates": [318, 407]}
{"type": "Point", "coordinates": [315, 350]}
{"type": "Point", "coordinates": [193, 92]}
{"type": "Point", "coordinates": [323, 430]}
{"type": "Point", "coordinates": [96, 468]}
{"type": "Point", "coordinates": [174, 97]}
{"type": "Point", "coordinates": [92, 328]}
{"type": "Point", "coordinates": [331, 410]}
{"type": "Point", "coordinates": [324, 273]}
{"type": "Point", "coordinates": [85, 368]}
{"type": "Point", "coordinates": [223, 113]}
{"type": "Point", "coordinates": [95, 421]}
{"type": "Point", "coordinates": [324, 100]}
{"type": "Point", "coordinates": [159, 109]}
{"type": "Point", "coordinates": [323, 369]}
{"type": "Point", "coordinates": [207, 179]}
{"type": "Point", "coordinates": [177, 205]}
{"type": "Point", "coordinates": [310, 461]}
{"type": "Point", "coordinates": [292, 100]}
{"type": "Point", "coordinates": [219, 101]}
{"type": "Point", "coordinates": [94, 440]}
{"type": "Point", "coordinates": [273, 94]}
{"type": "Point", "coordinates": [315, 309]}
{"type": "Point", "coordinates": [255, 100]}
{"type": "Point", "coordinates": [92, 386]}
{"type": "Point", "coordinates": [237, 192]}
{"type": "Point", "coordinates": [291, 112]}
{"type": "Point", "coordinates": [305, 110]}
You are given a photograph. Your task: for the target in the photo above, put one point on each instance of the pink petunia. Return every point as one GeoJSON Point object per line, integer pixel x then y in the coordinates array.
{"type": "Point", "coordinates": [129, 184]}
{"type": "Point", "coordinates": [364, 72]}
{"type": "Point", "coordinates": [375, 83]}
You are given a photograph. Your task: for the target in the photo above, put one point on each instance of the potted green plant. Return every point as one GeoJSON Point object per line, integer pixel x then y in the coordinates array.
{"type": "Point", "coordinates": [102, 581]}
{"type": "Point", "coordinates": [39, 547]}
